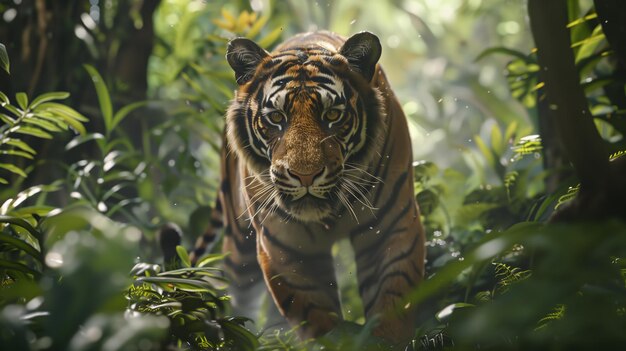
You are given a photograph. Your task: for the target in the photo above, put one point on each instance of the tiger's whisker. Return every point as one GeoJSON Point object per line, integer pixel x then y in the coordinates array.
{"type": "Point", "coordinates": [346, 202]}
{"type": "Point", "coordinates": [362, 198]}
{"type": "Point", "coordinates": [254, 199]}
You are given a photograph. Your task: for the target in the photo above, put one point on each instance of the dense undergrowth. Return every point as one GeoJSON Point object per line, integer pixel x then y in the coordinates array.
{"type": "Point", "coordinates": [80, 264]}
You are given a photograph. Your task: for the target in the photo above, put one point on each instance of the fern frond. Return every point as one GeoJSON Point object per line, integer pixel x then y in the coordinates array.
{"type": "Point", "coordinates": [508, 275]}
{"type": "Point", "coordinates": [484, 296]}
{"type": "Point", "coordinates": [556, 314]}
{"type": "Point", "coordinates": [617, 155]}
{"type": "Point", "coordinates": [528, 145]}
{"type": "Point", "coordinates": [572, 191]}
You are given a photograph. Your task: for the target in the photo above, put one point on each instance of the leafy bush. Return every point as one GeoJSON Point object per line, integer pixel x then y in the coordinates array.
{"type": "Point", "coordinates": [49, 254]}
{"type": "Point", "coordinates": [75, 304]}
{"type": "Point", "coordinates": [192, 300]}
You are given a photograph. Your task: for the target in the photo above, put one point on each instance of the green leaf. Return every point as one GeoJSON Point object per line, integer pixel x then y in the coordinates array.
{"type": "Point", "coordinates": [212, 38]}
{"type": "Point", "coordinates": [103, 97]}
{"type": "Point", "coordinates": [34, 132]}
{"type": "Point", "coordinates": [485, 150]}
{"type": "Point", "coordinates": [18, 267]}
{"type": "Point", "coordinates": [447, 311]}
{"type": "Point", "coordinates": [505, 51]}
{"type": "Point", "coordinates": [58, 108]}
{"type": "Point", "coordinates": [7, 119]}
{"type": "Point", "coordinates": [528, 144]}
{"type": "Point", "coordinates": [582, 19]}
{"type": "Point", "coordinates": [20, 245]}
{"type": "Point", "coordinates": [14, 169]}
{"type": "Point", "coordinates": [54, 95]}
{"type": "Point", "coordinates": [597, 83]}
{"type": "Point", "coordinates": [509, 133]}
{"type": "Point", "coordinates": [245, 340]}
{"type": "Point", "coordinates": [269, 39]}
{"type": "Point", "coordinates": [471, 213]}
{"type": "Point", "coordinates": [496, 140]}
{"type": "Point", "coordinates": [50, 117]}
{"type": "Point", "coordinates": [170, 284]}
{"type": "Point", "coordinates": [20, 145]}
{"type": "Point", "coordinates": [124, 111]}
{"type": "Point", "coordinates": [76, 125]}
{"type": "Point", "coordinates": [428, 201]}
{"type": "Point", "coordinates": [4, 59]}
{"type": "Point", "coordinates": [22, 100]}
{"type": "Point", "coordinates": [17, 153]}
{"type": "Point", "coordinates": [184, 256]}
{"type": "Point", "coordinates": [11, 108]}
{"type": "Point", "coordinates": [21, 223]}
{"type": "Point", "coordinates": [575, 18]}
{"type": "Point", "coordinates": [81, 139]}
{"type": "Point", "coordinates": [208, 271]}
{"type": "Point", "coordinates": [571, 194]}
{"type": "Point", "coordinates": [166, 305]}
{"type": "Point", "coordinates": [205, 261]}
{"type": "Point", "coordinates": [257, 26]}
{"type": "Point", "coordinates": [27, 193]}
{"type": "Point", "coordinates": [589, 45]}
{"type": "Point", "coordinates": [62, 114]}
{"type": "Point", "coordinates": [43, 124]}
{"type": "Point", "coordinates": [40, 211]}
{"type": "Point", "coordinates": [3, 181]}
{"type": "Point", "coordinates": [3, 98]}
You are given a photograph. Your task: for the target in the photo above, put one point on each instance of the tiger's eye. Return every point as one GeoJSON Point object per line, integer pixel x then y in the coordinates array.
{"type": "Point", "coordinates": [333, 115]}
{"type": "Point", "coordinates": [276, 117]}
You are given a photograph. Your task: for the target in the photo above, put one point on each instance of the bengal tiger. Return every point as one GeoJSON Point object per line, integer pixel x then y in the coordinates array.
{"type": "Point", "coordinates": [317, 149]}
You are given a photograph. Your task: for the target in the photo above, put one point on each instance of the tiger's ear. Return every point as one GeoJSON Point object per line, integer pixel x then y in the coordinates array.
{"type": "Point", "coordinates": [244, 55]}
{"type": "Point", "coordinates": [362, 51]}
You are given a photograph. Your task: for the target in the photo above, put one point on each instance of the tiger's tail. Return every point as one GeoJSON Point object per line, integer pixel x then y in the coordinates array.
{"type": "Point", "coordinates": [170, 236]}
{"type": "Point", "coordinates": [209, 237]}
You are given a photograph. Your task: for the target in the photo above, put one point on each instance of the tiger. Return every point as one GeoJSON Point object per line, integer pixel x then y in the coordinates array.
{"type": "Point", "coordinates": [317, 149]}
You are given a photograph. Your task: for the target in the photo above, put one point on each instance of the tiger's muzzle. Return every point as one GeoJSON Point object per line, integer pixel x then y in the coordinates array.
{"type": "Point", "coordinates": [296, 184]}
{"type": "Point", "coordinates": [306, 196]}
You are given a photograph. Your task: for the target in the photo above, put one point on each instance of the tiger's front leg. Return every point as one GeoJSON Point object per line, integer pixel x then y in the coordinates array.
{"type": "Point", "coordinates": [390, 263]}
{"type": "Point", "coordinates": [302, 282]}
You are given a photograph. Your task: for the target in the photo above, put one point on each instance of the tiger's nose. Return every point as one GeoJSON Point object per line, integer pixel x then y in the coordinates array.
{"type": "Point", "coordinates": [306, 179]}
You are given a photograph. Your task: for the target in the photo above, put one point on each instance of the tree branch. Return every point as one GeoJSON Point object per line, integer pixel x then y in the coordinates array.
{"type": "Point", "coordinates": [42, 27]}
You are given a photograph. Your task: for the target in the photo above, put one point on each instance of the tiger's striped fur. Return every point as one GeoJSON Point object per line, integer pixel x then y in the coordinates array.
{"type": "Point", "coordinates": [317, 149]}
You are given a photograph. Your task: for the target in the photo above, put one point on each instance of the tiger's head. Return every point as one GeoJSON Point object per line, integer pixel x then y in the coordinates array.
{"type": "Point", "coordinates": [307, 121]}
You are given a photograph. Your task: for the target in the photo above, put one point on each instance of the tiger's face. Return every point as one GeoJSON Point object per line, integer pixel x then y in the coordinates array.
{"type": "Point", "coordinates": [307, 122]}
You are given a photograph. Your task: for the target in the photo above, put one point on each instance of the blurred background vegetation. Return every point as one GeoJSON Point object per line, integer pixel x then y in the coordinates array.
{"type": "Point", "coordinates": [111, 122]}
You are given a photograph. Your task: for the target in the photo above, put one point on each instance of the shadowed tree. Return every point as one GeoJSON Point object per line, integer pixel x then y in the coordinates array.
{"type": "Point", "coordinates": [602, 188]}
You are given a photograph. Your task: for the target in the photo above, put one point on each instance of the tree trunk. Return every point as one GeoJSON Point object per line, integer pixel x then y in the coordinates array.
{"type": "Point", "coordinates": [602, 192]}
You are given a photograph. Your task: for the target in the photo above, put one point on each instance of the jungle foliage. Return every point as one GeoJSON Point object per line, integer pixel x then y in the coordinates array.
{"type": "Point", "coordinates": [110, 126]}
